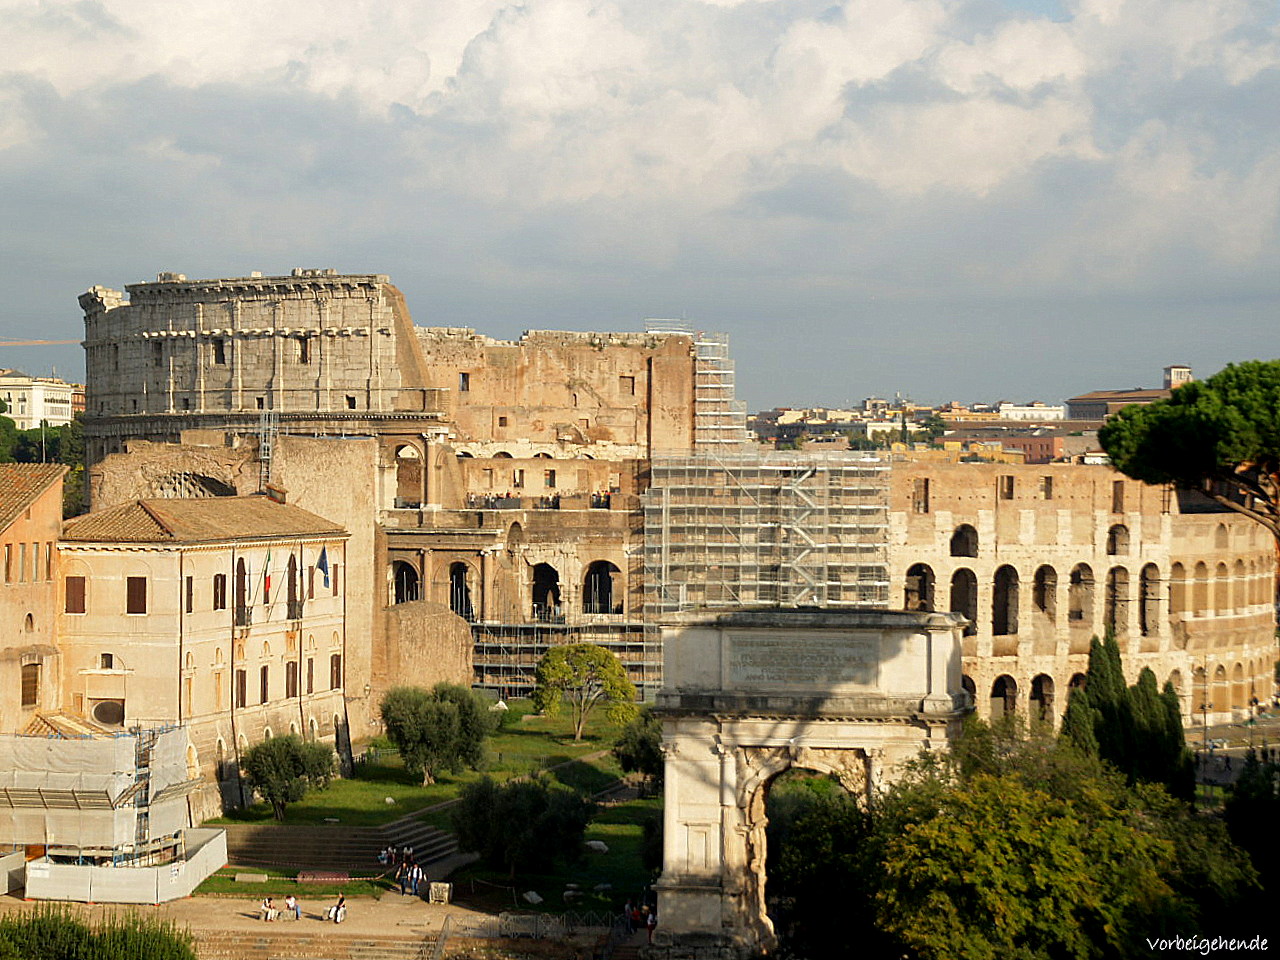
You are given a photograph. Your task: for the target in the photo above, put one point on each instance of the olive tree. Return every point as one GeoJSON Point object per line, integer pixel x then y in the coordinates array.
{"type": "Point", "coordinates": [283, 769]}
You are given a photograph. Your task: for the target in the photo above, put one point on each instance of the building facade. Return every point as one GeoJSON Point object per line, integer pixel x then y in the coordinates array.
{"type": "Point", "coordinates": [30, 524]}
{"type": "Point", "coordinates": [1040, 559]}
{"type": "Point", "coordinates": [223, 615]}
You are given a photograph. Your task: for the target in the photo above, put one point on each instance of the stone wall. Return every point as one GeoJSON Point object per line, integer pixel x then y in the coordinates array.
{"type": "Point", "coordinates": [1061, 553]}
{"type": "Point", "coordinates": [426, 644]}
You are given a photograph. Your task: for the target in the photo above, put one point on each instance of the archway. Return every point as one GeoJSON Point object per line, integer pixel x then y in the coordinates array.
{"type": "Point", "coordinates": [1004, 697]}
{"type": "Point", "coordinates": [964, 598]}
{"type": "Point", "coordinates": [964, 542]}
{"type": "Point", "coordinates": [728, 733]}
{"type": "Point", "coordinates": [408, 478]}
{"type": "Point", "coordinates": [1116, 609]}
{"type": "Point", "coordinates": [406, 583]}
{"type": "Point", "coordinates": [1004, 602]}
{"type": "Point", "coordinates": [598, 588]}
{"type": "Point", "coordinates": [1042, 698]}
{"type": "Point", "coordinates": [918, 589]}
{"type": "Point", "coordinates": [460, 591]}
{"type": "Point", "coordinates": [1080, 596]}
{"type": "Point", "coordinates": [1149, 600]}
{"type": "Point", "coordinates": [1044, 592]}
{"type": "Point", "coordinates": [546, 594]}
{"type": "Point", "coordinates": [1118, 541]}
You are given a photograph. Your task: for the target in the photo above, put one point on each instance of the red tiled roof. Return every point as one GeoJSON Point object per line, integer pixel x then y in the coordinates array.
{"type": "Point", "coordinates": [21, 484]}
{"type": "Point", "coordinates": [207, 519]}
{"type": "Point", "coordinates": [1116, 395]}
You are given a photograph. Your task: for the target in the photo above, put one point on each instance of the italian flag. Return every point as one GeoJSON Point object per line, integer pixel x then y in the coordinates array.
{"type": "Point", "coordinates": [266, 579]}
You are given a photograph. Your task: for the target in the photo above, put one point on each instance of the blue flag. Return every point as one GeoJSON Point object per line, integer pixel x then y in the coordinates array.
{"type": "Point", "coordinates": [323, 564]}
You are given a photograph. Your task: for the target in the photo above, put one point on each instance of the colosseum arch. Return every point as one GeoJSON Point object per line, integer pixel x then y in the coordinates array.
{"type": "Point", "coordinates": [460, 601]}
{"type": "Point", "coordinates": [964, 598]}
{"type": "Point", "coordinates": [1149, 600]}
{"type": "Point", "coordinates": [1004, 602]}
{"type": "Point", "coordinates": [1044, 592]}
{"type": "Point", "coordinates": [1042, 698]}
{"type": "Point", "coordinates": [1080, 596]}
{"type": "Point", "coordinates": [918, 588]}
{"type": "Point", "coordinates": [602, 588]}
{"type": "Point", "coordinates": [1115, 617]}
{"type": "Point", "coordinates": [964, 542]}
{"type": "Point", "coordinates": [1118, 541]}
{"type": "Point", "coordinates": [747, 696]}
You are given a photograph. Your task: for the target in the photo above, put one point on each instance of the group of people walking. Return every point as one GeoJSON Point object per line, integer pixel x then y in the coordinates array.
{"type": "Point", "coordinates": [409, 873]}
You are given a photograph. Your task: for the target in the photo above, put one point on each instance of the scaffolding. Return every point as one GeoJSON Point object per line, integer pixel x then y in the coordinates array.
{"type": "Point", "coordinates": [777, 529]}
{"type": "Point", "coordinates": [505, 655]}
{"type": "Point", "coordinates": [719, 420]}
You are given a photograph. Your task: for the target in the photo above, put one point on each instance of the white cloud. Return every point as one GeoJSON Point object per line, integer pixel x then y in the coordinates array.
{"type": "Point", "coordinates": [839, 148]}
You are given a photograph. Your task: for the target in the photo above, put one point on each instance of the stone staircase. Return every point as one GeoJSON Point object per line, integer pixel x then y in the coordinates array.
{"type": "Point", "coordinates": [336, 848]}
{"type": "Point", "coordinates": [245, 945]}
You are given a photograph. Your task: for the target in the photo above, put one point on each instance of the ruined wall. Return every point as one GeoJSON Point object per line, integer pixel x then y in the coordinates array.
{"type": "Point", "coordinates": [556, 386]}
{"type": "Point", "coordinates": [426, 644]}
{"type": "Point", "coordinates": [1066, 552]}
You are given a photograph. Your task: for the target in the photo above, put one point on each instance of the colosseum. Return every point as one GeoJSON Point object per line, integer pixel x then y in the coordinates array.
{"type": "Point", "coordinates": [578, 486]}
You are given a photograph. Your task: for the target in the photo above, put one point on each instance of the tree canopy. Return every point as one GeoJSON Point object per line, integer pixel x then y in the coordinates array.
{"type": "Point", "coordinates": [587, 676]}
{"type": "Point", "coordinates": [1220, 437]}
{"type": "Point", "coordinates": [440, 729]}
{"type": "Point", "coordinates": [283, 769]}
{"type": "Point", "coordinates": [521, 824]}
{"type": "Point", "coordinates": [639, 746]}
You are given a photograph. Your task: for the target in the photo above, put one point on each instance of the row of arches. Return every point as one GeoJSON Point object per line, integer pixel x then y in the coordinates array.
{"type": "Point", "coordinates": [1217, 691]}
{"type": "Point", "coordinates": [602, 589]}
{"type": "Point", "coordinates": [1231, 593]}
{"type": "Point", "coordinates": [964, 541]}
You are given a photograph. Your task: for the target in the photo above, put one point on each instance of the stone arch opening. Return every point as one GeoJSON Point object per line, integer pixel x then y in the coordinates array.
{"type": "Point", "coordinates": [1004, 602]}
{"type": "Point", "coordinates": [599, 588]}
{"type": "Point", "coordinates": [791, 798]}
{"type": "Point", "coordinates": [969, 687]}
{"type": "Point", "coordinates": [1004, 697]}
{"type": "Point", "coordinates": [1044, 592]}
{"type": "Point", "coordinates": [546, 594]}
{"type": "Point", "coordinates": [1177, 590]}
{"type": "Point", "coordinates": [408, 477]}
{"type": "Point", "coordinates": [1080, 596]}
{"type": "Point", "coordinates": [1239, 690]}
{"type": "Point", "coordinates": [918, 589]}
{"type": "Point", "coordinates": [1118, 541]}
{"type": "Point", "coordinates": [460, 590]}
{"type": "Point", "coordinates": [1200, 590]}
{"type": "Point", "coordinates": [1149, 600]}
{"type": "Point", "coordinates": [406, 584]}
{"type": "Point", "coordinates": [1042, 698]}
{"type": "Point", "coordinates": [964, 598]}
{"type": "Point", "coordinates": [964, 542]}
{"type": "Point", "coordinates": [1115, 616]}
{"type": "Point", "coordinates": [1221, 590]}
{"type": "Point", "coordinates": [1239, 587]}
{"type": "Point", "coordinates": [1221, 539]}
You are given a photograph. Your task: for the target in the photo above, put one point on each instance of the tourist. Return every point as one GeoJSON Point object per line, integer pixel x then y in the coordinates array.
{"type": "Point", "coordinates": [402, 875]}
{"type": "Point", "coordinates": [269, 911]}
{"type": "Point", "coordinates": [650, 921]}
{"type": "Point", "coordinates": [415, 877]}
{"type": "Point", "coordinates": [292, 906]}
{"type": "Point", "coordinates": [338, 912]}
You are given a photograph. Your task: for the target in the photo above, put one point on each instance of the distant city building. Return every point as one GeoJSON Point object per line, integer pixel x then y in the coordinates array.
{"type": "Point", "coordinates": [1176, 375]}
{"type": "Point", "coordinates": [1101, 404]}
{"type": "Point", "coordinates": [1036, 410]}
{"type": "Point", "coordinates": [31, 400]}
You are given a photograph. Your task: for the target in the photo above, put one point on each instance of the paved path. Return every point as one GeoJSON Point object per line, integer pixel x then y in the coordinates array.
{"type": "Point", "coordinates": [392, 915]}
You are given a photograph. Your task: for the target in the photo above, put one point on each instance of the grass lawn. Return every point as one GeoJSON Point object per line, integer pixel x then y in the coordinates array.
{"type": "Point", "coordinates": [527, 743]}
{"type": "Point", "coordinates": [618, 825]}
{"type": "Point", "coordinates": [280, 884]}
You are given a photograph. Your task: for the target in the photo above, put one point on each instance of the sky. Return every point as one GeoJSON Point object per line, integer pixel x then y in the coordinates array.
{"type": "Point", "coordinates": [946, 199]}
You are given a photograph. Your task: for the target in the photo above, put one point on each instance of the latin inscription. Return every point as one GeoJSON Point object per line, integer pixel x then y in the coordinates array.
{"type": "Point", "coordinates": [802, 661]}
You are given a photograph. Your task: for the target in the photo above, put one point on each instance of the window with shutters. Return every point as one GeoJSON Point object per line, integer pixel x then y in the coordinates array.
{"type": "Point", "coordinates": [135, 595]}
{"type": "Point", "coordinates": [74, 595]}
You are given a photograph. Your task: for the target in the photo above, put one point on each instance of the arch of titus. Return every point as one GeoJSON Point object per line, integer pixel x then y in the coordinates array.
{"type": "Point", "coordinates": [750, 694]}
